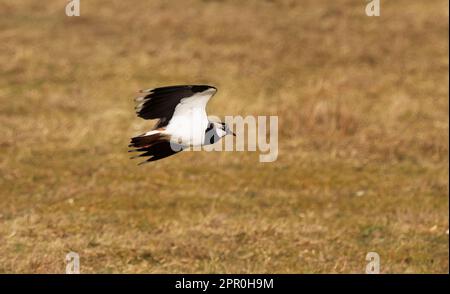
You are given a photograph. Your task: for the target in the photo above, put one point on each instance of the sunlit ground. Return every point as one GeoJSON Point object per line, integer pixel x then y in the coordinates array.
{"type": "Point", "coordinates": [363, 137]}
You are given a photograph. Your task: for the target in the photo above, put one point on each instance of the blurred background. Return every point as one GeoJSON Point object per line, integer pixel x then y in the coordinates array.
{"type": "Point", "coordinates": [363, 143]}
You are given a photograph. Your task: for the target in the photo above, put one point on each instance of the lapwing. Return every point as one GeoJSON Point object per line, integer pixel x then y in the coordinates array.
{"type": "Point", "coordinates": [182, 121]}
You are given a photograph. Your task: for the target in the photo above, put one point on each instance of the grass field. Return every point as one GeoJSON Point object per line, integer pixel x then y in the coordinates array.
{"type": "Point", "coordinates": [363, 115]}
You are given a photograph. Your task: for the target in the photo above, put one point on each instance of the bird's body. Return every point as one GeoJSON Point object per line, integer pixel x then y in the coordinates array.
{"type": "Point", "coordinates": [182, 123]}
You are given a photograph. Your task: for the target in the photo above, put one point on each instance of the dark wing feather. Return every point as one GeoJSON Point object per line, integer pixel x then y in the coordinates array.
{"type": "Point", "coordinates": [158, 151]}
{"type": "Point", "coordinates": [160, 103]}
{"type": "Point", "coordinates": [156, 146]}
{"type": "Point", "coordinates": [147, 140]}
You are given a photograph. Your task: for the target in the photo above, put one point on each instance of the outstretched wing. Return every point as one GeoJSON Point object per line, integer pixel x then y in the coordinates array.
{"type": "Point", "coordinates": [160, 103]}
{"type": "Point", "coordinates": [156, 146]}
{"type": "Point", "coordinates": [158, 151]}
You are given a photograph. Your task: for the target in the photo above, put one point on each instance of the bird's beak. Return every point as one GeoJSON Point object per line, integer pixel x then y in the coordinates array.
{"type": "Point", "coordinates": [231, 133]}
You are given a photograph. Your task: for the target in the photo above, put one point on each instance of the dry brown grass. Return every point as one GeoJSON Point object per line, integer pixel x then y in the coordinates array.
{"type": "Point", "coordinates": [363, 163]}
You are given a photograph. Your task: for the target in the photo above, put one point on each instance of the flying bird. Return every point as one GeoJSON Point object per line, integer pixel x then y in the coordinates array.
{"type": "Point", "coordinates": [182, 121]}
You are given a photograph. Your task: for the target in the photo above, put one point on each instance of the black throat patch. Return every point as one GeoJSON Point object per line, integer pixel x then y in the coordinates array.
{"type": "Point", "coordinates": [211, 135]}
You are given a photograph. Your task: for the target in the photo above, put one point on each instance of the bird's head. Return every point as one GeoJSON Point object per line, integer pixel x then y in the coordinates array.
{"type": "Point", "coordinates": [222, 130]}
